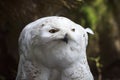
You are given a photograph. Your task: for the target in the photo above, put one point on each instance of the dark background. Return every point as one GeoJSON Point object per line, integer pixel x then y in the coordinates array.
{"type": "Point", "coordinates": [103, 16]}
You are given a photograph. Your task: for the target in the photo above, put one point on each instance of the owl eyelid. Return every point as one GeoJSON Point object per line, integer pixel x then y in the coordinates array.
{"type": "Point", "coordinates": [53, 30]}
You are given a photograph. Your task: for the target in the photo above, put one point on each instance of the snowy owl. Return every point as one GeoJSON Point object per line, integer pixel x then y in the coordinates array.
{"type": "Point", "coordinates": [53, 48]}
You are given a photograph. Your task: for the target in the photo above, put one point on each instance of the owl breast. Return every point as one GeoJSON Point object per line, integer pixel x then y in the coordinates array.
{"type": "Point", "coordinates": [61, 55]}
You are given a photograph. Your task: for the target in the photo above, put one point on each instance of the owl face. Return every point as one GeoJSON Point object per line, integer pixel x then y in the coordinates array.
{"type": "Point", "coordinates": [58, 30]}
{"type": "Point", "coordinates": [56, 41]}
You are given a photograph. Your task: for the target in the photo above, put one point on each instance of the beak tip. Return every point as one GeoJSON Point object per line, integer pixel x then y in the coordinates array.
{"type": "Point", "coordinates": [65, 39]}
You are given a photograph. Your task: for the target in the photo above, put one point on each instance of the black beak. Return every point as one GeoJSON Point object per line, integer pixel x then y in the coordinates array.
{"type": "Point", "coordinates": [65, 39]}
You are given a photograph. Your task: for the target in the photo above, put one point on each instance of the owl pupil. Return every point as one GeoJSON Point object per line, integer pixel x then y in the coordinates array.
{"type": "Point", "coordinates": [73, 30]}
{"type": "Point", "coordinates": [53, 30]}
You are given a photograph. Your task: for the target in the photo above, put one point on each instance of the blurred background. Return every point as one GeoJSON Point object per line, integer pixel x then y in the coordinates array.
{"type": "Point", "coordinates": [102, 16]}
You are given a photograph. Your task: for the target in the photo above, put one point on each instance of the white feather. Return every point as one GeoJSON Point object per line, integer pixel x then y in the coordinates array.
{"type": "Point", "coordinates": [53, 48]}
{"type": "Point", "coordinates": [88, 30]}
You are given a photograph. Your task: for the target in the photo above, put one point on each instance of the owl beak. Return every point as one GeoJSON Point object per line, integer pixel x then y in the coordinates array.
{"type": "Point", "coordinates": [65, 39]}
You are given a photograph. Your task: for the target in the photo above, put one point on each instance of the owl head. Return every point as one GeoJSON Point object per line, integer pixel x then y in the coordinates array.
{"type": "Point", "coordinates": [56, 29]}
{"type": "Point", "coordinates": [52, 35]}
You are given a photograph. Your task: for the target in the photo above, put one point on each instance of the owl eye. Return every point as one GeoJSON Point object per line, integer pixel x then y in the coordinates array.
{"type": "Point", "coordinates": [53, 30]}
{"type": "Point", "coordinates": [73, 29]}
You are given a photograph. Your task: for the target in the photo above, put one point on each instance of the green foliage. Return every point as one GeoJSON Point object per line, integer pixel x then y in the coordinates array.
{"type": "Point", "coordinates": [90, 15]}
{"type": "Point", "coordinates": [98, 66]}
{"type": "Point", "coordinates": [97, 61]}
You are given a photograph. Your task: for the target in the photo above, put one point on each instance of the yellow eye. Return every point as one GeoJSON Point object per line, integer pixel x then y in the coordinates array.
{"type": "Point", "coordinates": [73, 29]}
{"type": "Point", "coordinates": [53, 30]}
